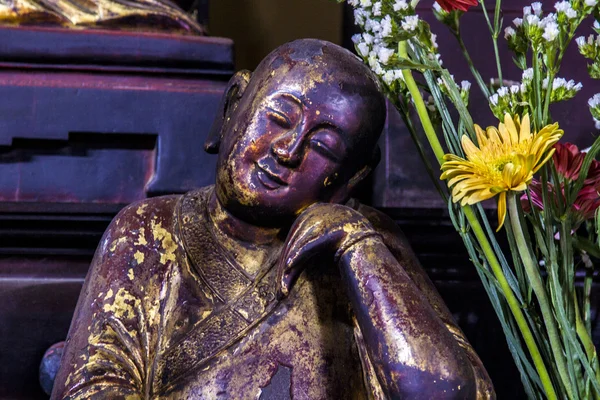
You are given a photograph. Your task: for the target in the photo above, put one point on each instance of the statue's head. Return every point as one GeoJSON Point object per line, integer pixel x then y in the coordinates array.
{"type": "Point", "coordinates": [302, 128]}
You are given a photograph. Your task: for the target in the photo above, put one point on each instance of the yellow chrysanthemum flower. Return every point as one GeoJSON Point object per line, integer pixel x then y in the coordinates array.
{"type": "Point", "coordinates": [506, 159]}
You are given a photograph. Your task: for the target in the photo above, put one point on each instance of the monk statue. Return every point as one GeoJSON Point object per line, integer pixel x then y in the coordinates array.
{"type": "Point", "coordinates": [273, 283]}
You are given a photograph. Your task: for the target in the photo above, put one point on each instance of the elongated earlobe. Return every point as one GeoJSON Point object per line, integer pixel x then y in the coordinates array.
{"type": "Point", "coordinates": [229, 102]}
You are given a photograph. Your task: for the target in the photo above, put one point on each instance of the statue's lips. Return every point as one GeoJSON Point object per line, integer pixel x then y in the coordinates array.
{"type": "Point", "coordinates": [269, 179]}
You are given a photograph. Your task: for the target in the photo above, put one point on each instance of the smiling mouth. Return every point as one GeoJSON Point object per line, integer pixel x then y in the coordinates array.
{"type": "Point", "coordinates": [269, 179]}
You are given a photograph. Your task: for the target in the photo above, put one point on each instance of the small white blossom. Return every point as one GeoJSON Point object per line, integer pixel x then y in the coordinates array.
{"type": "Point", "coordinates": [537, 8]}
{"type": "Point", "coordinates": [363, 49]}
{"type": "Point", "coordinates": [596, 24]}
{"type": "Point", "coordinates": [509, 32]}
{"type": "Point", "coordinates": [527, 74]}
{"type": "Point", "coordinates": [386, 26]}
{"type": "Point", "coordinates": [437, 7]}
{"type": "Point", "coordinates": [594, 101]}
{"type": "Point", "coordinates": [551, 31]}
{"type": "Point", "coordinates": [401, 5]}
{"type": "Point", "coordinates": [503, 91]}
{"type": "Point", "coordinates": [533, 20]}
{"type": "Point", "coordinates": [353, 3]}
{"type": "Point", "coordinates": [565, 7]}
{"type": "Point", "coordinates": [518, 22]}
{"type": "Point", "coordinates": [360, 16]}
{"type": "Point", "coordinates": [388, 77]}
{"type": "Point", "coordinates": [494, 99]}
{"type": "Point", "coordinates": [368, 38]}
{"type": "Point", "coordinates": [527, 10]}
{"type": "Point", "coordinates": [591, 3]}
{"type": "Point", "coordinates": [365, 3]}
{"type": "Point", "coordinates": [597, 123]}
{"type": "Point", "coordinates": [410, 23]}
{"type": "Point", "coordinates": [376, 9]}
{"type": "Point", "coordinates": [514, 89]}
{"type": "Point", "coordinates": [580, 41]}
{"type": "Point", "coordinates": [434, 41]}
{"type": "Point", "coordinates": [356, 38]}
{"type": "Point", "coordinates": [465, 86]}
{"type": "Point", "coordinates": [384, 54]}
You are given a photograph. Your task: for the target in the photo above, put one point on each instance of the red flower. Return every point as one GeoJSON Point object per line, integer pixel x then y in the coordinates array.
{"type": "Point", "coordinates": [567, 160]}
{"type": "Point", "coordinates": [451, 5]}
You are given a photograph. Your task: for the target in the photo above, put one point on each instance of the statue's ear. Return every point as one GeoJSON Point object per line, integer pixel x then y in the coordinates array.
{"type": "Point", "coordinates": [343, 193]}
{"type": "Point", "coordinates": [229, 102]}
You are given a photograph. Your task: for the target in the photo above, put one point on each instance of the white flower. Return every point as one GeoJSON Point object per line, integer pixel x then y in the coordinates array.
{"type": "Point", "coordinates": [388, 77]}
{"type": "Point", "coordinates": [436, 7]}
{"type": "Point", "coordinates": [514, 89]}
{"type": "Point", "coordinates": [533, 20]}
{"type": "Point", "coordinates": [597, 123]}
{"type": "Point", "coordinates": [365, 3]}
{"type": "Point", "coordinates": [356, 38]}
{"type": "Point", "coordinates": [580, 41]}
{"type": "Point", "coordinates": [434, 41]}
{"type": "Point", "coordinates": [410, 23]}
{"type": "Point", "coordinates": [565, 7]}
{"type": "Point", "coordinates": [551, 31]}
{"type": "Point", "coordinates": [509, 32]}
{"type": "Point", "coordinates": [537, 8]}
{"type": "Point", "coordinates": [494, 99]}
{"type": "Point", "coordinates": [545, 83]}
{"type": "Point", "coordinates": [368, 38]}
{"type": "Point", "coordinates": [518, 22]}
{"type": "Point", "coordinates": [363, 49]}
{"type": "Point", "coordinates": [527, 74]}
{"type": "Point", "coordinates": [386, 26]}
{"type": "Point", "coordinates": [503, 91]}
{"type": "Point", "coordinates": [591, 3]}
{"type": "Point", "coordinates": [359, 17]}
{"type": "Point", "coordinates": [402, 5]}
{"type": "Point", "coordinates": [596, 24]}
{"type": "Point", "coordinates": [548, 19]}
{"type": "Point", "coordinates": [527, 10]}
{"type": "Point", "coordinates": [465, 86]}
{"type": "Point", "coordinates": [353, 3]}
{"type": "Point", "coordinates": [398, 74]}
{"type": "Point", "coordinates": [377, 9]}
{"type": "Point", "coordinates": [384, 54]}
{"type": "Point", "coordinates": [594, 101]}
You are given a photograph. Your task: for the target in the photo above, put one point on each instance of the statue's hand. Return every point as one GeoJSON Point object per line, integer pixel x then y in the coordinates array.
{"type": "Point", "coordinates": [323, 229]}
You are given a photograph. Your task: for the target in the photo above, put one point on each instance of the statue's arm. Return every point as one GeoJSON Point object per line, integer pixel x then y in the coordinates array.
{"type": "Point", "coordinates": [105, 355]}
{"type": "Point", "coordinates": [414, 345]}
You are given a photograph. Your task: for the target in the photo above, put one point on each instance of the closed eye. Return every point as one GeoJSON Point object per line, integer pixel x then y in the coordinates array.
{"type": "Point", "coordinates": [279, 118]}
{"type": "Point", "coordinates": [324, 150]}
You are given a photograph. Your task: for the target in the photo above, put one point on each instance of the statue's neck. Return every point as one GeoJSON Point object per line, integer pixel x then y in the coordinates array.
{"type": "Point", "coordinates": [236, 228]}
{"type": "Point", "coordinates": [251, 246]}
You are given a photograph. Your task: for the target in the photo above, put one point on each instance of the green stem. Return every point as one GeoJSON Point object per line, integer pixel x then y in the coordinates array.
{"type": "Point", "coordinates": [476, 74]}
{"type": "Point", "coordinates": [537, 285]}
{"type": "Point", "coordinates": [420, 107]}
{"type": "Point", "coordinates": [588, 344]}
{"type": "Point", "coordinates": [486, 247]}
{"type": "Point", "coordinates": [494, 31]}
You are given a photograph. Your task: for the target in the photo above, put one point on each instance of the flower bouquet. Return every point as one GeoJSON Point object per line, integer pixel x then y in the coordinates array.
{"type": "Point", "coordinates": [547, 192]}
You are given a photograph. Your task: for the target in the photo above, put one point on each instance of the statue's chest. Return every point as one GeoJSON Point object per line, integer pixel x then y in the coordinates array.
{"type": "Point", "coordinates": [305, 349]}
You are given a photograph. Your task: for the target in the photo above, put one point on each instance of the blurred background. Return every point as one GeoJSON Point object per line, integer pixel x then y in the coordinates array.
{"type": "Point", "coordinates": [94, 119]}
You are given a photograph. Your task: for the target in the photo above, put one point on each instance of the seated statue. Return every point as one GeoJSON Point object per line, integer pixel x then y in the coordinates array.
{"type": "Point", "coordinates": [273, 283]}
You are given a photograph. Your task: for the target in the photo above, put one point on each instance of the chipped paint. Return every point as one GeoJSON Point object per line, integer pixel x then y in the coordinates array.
{"type": "Point", "coordinates": [139, 257]}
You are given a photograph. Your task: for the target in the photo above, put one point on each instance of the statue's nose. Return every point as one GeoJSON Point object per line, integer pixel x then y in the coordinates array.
{"type": "Point", "coordinates": [287, 149]}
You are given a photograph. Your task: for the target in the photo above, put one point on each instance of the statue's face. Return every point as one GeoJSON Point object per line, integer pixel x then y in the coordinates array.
{"type": "Point", "coordinates": [295, 139]}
